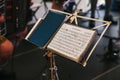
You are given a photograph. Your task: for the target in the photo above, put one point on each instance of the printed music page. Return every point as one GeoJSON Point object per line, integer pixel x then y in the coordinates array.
{"type": "Point", "coordinates": [72, 41]}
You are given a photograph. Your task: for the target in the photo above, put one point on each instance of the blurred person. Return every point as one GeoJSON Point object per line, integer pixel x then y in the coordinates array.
{"type": "Point", "coordinates": [6, 50]}
{"type": "Point", "coordinates": [107, 15]}
{"type": "Point", "coordinates": [68, 6]}
{"type": "Point", "coordinates": [58, 4]}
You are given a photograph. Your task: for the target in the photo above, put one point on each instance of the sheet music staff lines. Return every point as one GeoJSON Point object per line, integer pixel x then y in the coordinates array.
{"type": "Point", "coordinates": [71, 41]}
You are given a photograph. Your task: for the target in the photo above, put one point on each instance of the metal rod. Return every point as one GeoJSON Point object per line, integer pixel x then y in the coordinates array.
{"type": "Point", "coordinates": [55, 68]}
{"type": "Point", "coordinates": [50, 55]}
{"type": "Point", "coordinates": [85, 62]}
{"type": "Point", "coordinates": [79, 16]}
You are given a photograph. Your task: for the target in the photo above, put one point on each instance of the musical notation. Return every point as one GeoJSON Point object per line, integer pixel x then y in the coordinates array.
{"type": "Point", "coordinates": [71, 41]}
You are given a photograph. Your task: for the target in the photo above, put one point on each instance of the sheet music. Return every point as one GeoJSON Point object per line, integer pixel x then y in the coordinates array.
{"type": "Point", "coordinates": [71, 41]}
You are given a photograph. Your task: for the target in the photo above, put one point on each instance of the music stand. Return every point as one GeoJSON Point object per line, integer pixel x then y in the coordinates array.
{"type": "Point", "coordinates": [45, 31]}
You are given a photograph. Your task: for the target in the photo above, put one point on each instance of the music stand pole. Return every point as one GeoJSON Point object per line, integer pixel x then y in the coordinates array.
{"type": "Point", "coordinates": [50, 54]}
{"type": "Point", "coordinates": [53, 67]}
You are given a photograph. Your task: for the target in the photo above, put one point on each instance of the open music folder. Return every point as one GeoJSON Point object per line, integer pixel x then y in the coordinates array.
{"type": "Point", "coordinates": [72, 41]}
